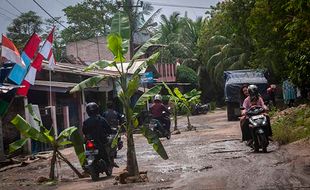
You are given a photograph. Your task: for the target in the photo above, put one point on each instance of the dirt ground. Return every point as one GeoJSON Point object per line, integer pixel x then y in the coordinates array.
{"type": "Point", "coordinates": [212, 157]}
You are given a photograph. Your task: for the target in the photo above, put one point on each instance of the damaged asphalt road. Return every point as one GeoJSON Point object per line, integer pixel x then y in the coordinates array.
{"type": "Point", "coordinates": [212, 157]}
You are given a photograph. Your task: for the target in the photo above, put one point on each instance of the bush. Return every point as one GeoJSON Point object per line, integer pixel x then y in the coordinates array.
{"type": "Point", "coordinates": [292, 124]}
{"type": "Point", "coordinates": [186, 75]}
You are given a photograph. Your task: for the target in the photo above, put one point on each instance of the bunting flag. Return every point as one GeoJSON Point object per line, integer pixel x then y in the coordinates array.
{"type": "Point", "coordinates": [45, 52]}
{"type": "Point", "coordinates": [51, 60]}
{"type": "Point", "coordinates": [10, 52]}
{"type": "Point", "coordinates": [18, 72]}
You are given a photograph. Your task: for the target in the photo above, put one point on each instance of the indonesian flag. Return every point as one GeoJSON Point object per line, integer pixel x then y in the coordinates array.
{"type": "Point", "coordinates": [18, 72]}
{"type": "Point", "coordinates": [45, 52]}
{"type": "Point", "coordinates": [10, 52]}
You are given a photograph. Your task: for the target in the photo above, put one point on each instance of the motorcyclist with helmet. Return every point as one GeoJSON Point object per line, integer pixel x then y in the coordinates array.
{"type": "Point", "coordinates": [97, 128]}
{"type": "Point", "coordinates": [157, 108]}
{"type": "Point", "coordinates": [254, 99]}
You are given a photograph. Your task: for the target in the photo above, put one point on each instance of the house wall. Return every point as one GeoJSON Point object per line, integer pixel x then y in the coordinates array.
{"type": "Point", "coordinates": [167, 72]}
{"type": "Point", "coordinates": [90, 50]}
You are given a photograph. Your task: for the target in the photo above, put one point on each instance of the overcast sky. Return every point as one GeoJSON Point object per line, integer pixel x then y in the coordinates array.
{"type": "Point", "coordinates": [54, 7]}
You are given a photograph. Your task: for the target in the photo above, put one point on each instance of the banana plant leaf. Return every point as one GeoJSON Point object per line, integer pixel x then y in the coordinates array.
{"type": "Point", "coordinates": [98, 65]}
{"type": "Point", "coordinates": [88, 83]}
{"type": "Point", "coordinates": [120, 25]}
{"type": "Point", "coordinates": [150, 42]}
{"type": "Point", "coordinates": [145, 97]}
{"type": "Point", "coordinates": [115, 43]}
{"type": "Point", "coordinates": [149, 61]}
{"type": "Point", "coordinates": [17, 144]}
{"type": "Point", "coordinates": [153, 139]}
{"type": "Point", "coordinates": [133, 85]}
{"type": "Point", "coordinates": [78, 144]}
{"type": "Point", "coordinates": [66, 133]}
{"type": "Point", "coordinates": [28, 131]}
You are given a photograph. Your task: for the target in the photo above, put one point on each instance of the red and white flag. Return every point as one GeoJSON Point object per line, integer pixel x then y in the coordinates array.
{"type": "Point", "coordinates": [45, 52]}
{"type": "Point", "coordinates": [10, 52]}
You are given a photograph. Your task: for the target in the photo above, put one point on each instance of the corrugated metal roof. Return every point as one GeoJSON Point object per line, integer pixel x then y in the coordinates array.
{"type": "Point", "coordinates": [77, 69]}
{"type": "Point", "coordinates": [4, 87]}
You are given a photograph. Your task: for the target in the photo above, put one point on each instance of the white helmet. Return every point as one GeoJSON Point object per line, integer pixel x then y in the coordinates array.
{"type": "Point", "coordinates": [158, 97]}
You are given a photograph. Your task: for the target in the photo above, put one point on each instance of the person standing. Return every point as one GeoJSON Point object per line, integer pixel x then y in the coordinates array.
{"type": "Point", "coordinates": [289, 93]}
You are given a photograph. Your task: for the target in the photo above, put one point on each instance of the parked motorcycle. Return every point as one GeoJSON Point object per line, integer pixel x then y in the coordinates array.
{"type": "Point", "coordinates": [95, 161]}
{"type": "Point", "coordinates": [159, 127]}
{"type": "Point", "coordinates": [258, 123]}
{"type": "Point", "coordinates": [200, 109]}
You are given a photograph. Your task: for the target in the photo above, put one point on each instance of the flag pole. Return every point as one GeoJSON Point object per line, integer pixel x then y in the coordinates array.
{"type": "Point", "coordinates": [50, 80]}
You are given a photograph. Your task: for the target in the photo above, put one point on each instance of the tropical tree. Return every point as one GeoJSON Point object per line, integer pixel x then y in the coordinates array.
{"type": "Point", "coordinates": [23, 27]}
{"type": "Point", "coordinates": [183, 102]}
{"type": "Point", "coordinates": [224, 55]}
{"type": "Point", "coordinates": [69, 136]}
{"type": "Point", "coordinates": [88, 19]}
{"type": "Point", "coordinates": [118, 43]}
{"type": "Point", "coordinates": [137, 20]}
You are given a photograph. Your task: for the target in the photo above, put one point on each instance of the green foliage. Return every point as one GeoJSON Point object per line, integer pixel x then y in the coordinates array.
{"type": "Point", "coordinates": [129, 85]}
{"type": "Point", "coordinates": [186, 75]}
{"type": "Point", "coordinates": [88, 83]}
{"type": "Point", "coordinates": [88, 19]}
{"type": "Point", "coordinates": [45, 136]}
{"type": "Point", "coordinates": [23, 27]}
{"type": "Point", "coordinates": [152, 138]}
{"type": "Point", "coordinates": [292, 126]}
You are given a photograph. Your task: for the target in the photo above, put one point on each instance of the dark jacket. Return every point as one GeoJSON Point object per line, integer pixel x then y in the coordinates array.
{"type": "Point", "coordinates": [96, 127]}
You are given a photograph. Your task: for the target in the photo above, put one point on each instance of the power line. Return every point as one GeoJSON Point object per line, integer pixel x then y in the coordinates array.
{"type": "Point", "coordinates": [57, 20]}
{"type": "Point", "coordinates": [9, 12]}
{"type": "Point", "coordinates": [14, 6]}
{"type": "Point", "coordinates": [49, 14]}
{"type": "Point", "coordinates": [175, 5]}
{"type": "Point", "coordinates": [6, 15]}
{"type": "Point", "coordinates": [62, 3]}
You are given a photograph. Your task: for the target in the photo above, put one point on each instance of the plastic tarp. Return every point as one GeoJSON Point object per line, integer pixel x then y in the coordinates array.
{"type": "Point", "coordinates": [234, 80]}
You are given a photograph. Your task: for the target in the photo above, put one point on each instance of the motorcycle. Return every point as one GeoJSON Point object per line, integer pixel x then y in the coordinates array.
{"type": "Point", "coordinates": [258, 123]}
{"type": "Point", "coordinates": [95, 161]}
{"type": "Point", "coordinates": [159, 127]}
{"type": "Point", "coordinates": [200, 109]}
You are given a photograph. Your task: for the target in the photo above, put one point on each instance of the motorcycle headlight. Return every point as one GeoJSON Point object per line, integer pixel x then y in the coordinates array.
{"type": "Point", "coordinates": [264, 121]}
{"type": "Point", "coordinates": [253, 122]}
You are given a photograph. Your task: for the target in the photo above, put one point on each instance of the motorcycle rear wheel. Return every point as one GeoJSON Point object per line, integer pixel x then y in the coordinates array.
{"type": "Point", "coordinates": [93, 174]}
{"type": "Point", "coordinates": [109, 171]}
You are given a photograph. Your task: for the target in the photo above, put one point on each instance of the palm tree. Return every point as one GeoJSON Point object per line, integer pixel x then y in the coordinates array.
{"type": "Point", "coordinates": [224, 55]}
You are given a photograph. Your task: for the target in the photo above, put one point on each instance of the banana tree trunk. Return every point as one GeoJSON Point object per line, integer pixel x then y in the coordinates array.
{"type": "Point", "coordinates": [53, 163]}
{"type": "Point", "coordinates": [175, 117]}
{"type": "Point", "coordinates": [70, 165]}
{"type": "Point", "coordinates": [132, 164]}
{"type": "Point", "coordinates": [189, 126]}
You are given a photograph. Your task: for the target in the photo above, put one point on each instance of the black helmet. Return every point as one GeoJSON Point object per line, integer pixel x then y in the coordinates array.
{"type": "Point", "coordinates": [92, 108]}
{"type": "Point", "coordinates": [253, 92]}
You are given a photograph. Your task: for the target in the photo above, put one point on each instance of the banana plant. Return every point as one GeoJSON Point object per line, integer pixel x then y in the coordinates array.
{"type": "Point", "coordinates": [69, 136]}
{"type": "Point", "coordinates": [117, 43]}
{"type": "Point", "coordinates": [184, 102]}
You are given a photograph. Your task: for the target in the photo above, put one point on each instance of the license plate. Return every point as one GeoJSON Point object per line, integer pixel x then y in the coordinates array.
{"type": "Point", "coordinates": [91, 152]}
{"type": "Point", "coordinates": [257, 116]}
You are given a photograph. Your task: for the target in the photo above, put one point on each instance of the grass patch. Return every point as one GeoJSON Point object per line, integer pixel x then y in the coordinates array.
{"type": "Point", "coordinates": [291, 124]}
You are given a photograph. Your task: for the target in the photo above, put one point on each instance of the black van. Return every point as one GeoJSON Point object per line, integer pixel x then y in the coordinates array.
{"type": "Point", "coordinates": [234, 80]}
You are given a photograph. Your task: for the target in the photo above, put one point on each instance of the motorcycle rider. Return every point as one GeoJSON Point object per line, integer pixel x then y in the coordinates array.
{"type": "Point", "coordinates": [114, 119]}
{"type": "Point", "coordinates": [97, 128]}
{"type": "Point", "coordinates": [254, 99]}
{"type": "Point", "coordinates": [157, 109]}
